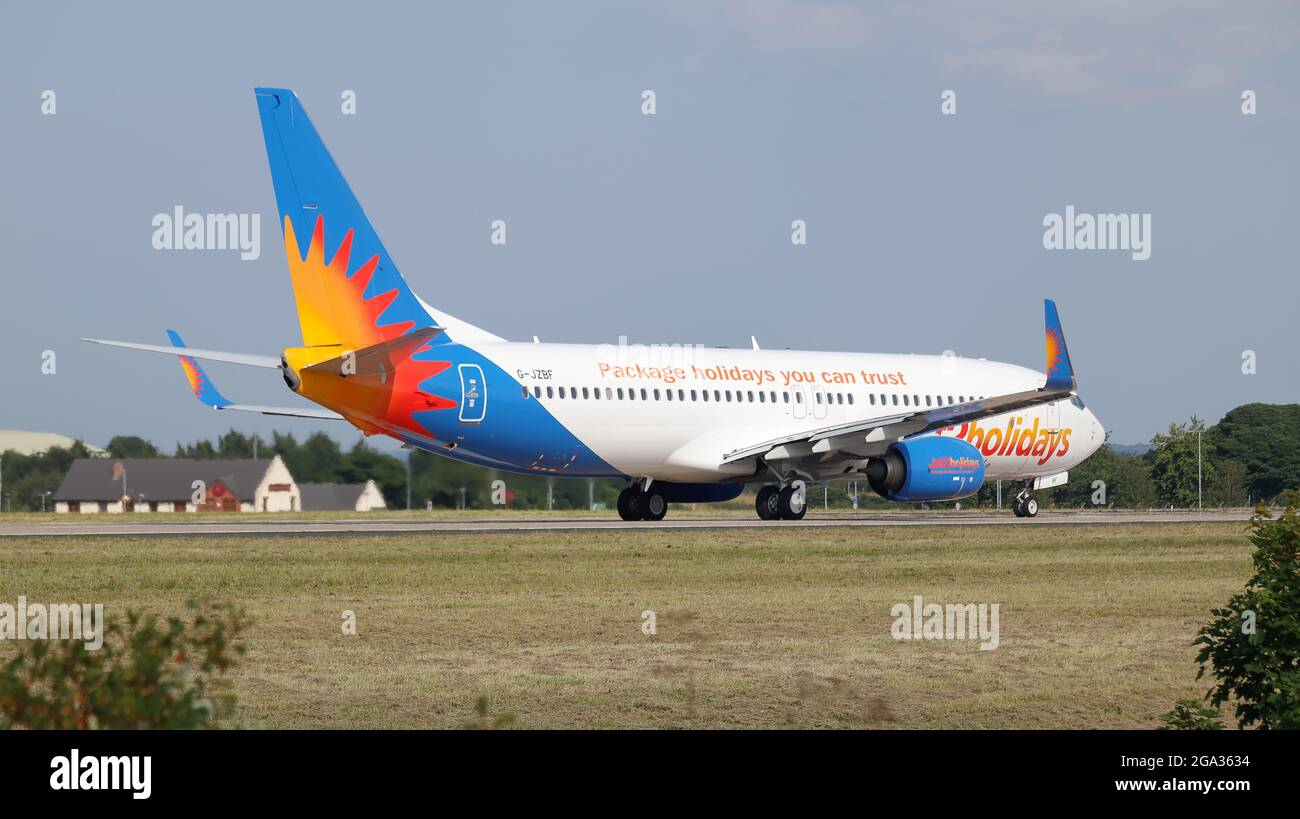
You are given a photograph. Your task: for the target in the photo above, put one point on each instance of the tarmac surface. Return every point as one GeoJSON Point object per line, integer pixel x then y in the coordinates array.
{"type": "Point", "coordinates": [130, 526]}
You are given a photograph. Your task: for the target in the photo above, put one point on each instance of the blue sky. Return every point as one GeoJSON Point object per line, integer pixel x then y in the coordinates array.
{"type": "Point", "coordinates": [924, 231]}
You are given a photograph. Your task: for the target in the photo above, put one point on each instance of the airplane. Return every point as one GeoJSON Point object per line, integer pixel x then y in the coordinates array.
{"type": "Point", "coordinates": [680, 424]}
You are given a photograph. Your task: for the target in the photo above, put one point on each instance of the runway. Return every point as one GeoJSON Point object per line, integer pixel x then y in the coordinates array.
{"type": "Point", "coordinates": [243, 525]}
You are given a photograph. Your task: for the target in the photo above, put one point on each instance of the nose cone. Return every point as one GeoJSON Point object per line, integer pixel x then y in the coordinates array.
{"type": "Point", "coordinates": [1095, 431]}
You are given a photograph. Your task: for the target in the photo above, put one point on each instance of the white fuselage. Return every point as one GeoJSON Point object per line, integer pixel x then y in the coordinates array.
{"type": "Point", "coordinates": [673, 413]}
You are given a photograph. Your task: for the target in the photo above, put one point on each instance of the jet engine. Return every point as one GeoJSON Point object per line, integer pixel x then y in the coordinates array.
{"type": "Point", "coordinates": [927, 469]}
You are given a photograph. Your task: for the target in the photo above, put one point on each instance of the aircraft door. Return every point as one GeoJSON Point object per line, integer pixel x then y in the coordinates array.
{"type": "Point", "coordinates": [473, 394]}
{"type": "Point", "coordinates": [1053, 416]}
{"type": "Point", "coordinates": [819, 403]}
{"type": "Point", "coordinates": [799, 402]}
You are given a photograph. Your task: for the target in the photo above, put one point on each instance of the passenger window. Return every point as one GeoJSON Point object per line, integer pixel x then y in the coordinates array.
{"type": "Point", "coordinates": [692, 395]}
{"type": "Point", "coordinates": [895, 397]}
{"type": "Point", "coordinates": [717, 396]}
{"type": "Point", "coordinates": [643, 396]}
{"type": "Point", "coordinates": [871, 396]}
{"type": "Point", "coordinates": [656, 394]}
{"type": "Point", "coordinates": [525, 392]}
{"type": "Point", "coordinates": [706, 394]}
{"type": "Point", "coordinates": [798, 398]}
{"type": "Point", "coordinates": [620, 393]}
{"type": "Point", "coordinates": [668, 394]}
{"type": "Point", "coordinates": [905, 400]}
{"type": "Point", "coordinates": [750, 397]}
{"type": "Point", "coordinates": [681, 395]}
{"type": "Point", "coordinates": [550, 393]}
{"type": "Point", "coordinates": [727, 393]}
{"type": "Point", "coordinates": [585, 394]}
{"type": "Point", "coordinates": [819, 397]}
{"type": "Point", "coordinates": [596, 393]}
{"type": "Point", "coordinates": [927, 400]}
{"type": "Point", "coordinates": [850, 398]}
{"type": "Point", "coordinates": [772, 395]}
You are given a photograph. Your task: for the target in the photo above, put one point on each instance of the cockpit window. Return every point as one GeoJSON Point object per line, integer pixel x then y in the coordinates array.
{"type": "Point", "coordinates": [1078, 402]}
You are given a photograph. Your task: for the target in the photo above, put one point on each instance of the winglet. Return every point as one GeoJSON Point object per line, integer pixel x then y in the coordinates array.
{"type": "Point", "coordinates": [199, 381]}
{"type": "Point", "coordinates": [1060, 374]}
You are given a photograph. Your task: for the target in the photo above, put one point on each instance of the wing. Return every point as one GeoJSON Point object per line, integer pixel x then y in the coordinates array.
{"type": "Point", "coordinates": [867, 438]}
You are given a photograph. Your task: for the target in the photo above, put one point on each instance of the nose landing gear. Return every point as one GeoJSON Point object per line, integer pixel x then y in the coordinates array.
{"type": "Point", "coordinates": [1024, 505]}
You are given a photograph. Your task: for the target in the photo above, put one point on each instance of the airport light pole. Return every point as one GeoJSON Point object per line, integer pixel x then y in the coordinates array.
{"type": "Point", "coordinates": [1198, 470]}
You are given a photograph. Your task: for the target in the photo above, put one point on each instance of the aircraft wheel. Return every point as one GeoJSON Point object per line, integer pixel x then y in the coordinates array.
{"type": "Point", "coordinates": [767, 502]}
{"type": "Point", "coordinates": [791, 503]}
{"type": "Point", "coordinates": [1018, 508]}
{"type": "Point", "coordinates": [1031, 508]}
{"type": "Point", "coordinates": [631, 504]}
{"type": "Point", "coordinates": [653, 506]}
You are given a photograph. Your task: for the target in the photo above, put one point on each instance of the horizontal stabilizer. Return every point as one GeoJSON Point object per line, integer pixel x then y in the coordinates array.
{"type": "Point", "coordinates": [270, 362]}
{"type": "Point", "coordinates": [292, 412]}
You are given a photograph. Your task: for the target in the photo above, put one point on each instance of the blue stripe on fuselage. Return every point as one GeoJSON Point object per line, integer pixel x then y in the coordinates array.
{"type": "Point", "coordinates": [517, 434]}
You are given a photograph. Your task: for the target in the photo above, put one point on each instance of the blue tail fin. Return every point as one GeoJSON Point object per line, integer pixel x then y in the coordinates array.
{"type": "Point", "coordinates": [327, 230]}
{"type": "Point", "coordinates": [1060, 373]}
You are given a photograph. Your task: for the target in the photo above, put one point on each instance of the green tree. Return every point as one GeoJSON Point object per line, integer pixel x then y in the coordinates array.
{"type": "Point", "coordinates": [1173, 460]}
{"type": "Point", "coordinates": [132, 446]}
{"type": "Point", "coordinates": [318, 460]}
{"type": "Point", "coordinates": [1252, 648]}
{"type": "Point", "coordinates": [199, 450]}
{"type": "Point", "coordinates": [238, 445]}
{"type": "Point", "coordinates": [363, 463]}
{"type": "Point", "coordinates": [29, 478]}
{"type": "Point", "coordinates": [1265, 440]}
{"type": "Point", "coordinates": [1126, 482]}
{"type": "Point", "coordinates": [1227, 485]}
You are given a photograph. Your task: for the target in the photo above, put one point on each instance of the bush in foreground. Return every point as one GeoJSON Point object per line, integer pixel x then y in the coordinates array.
{"type": "Point", "coordinates": [149, 673]}
{"type": "Point", "coordinates": [1252, 647]}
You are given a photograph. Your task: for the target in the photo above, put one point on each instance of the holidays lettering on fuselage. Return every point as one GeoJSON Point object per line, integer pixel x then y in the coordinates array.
{"type": "Point", "coordinates": [1014, 439]}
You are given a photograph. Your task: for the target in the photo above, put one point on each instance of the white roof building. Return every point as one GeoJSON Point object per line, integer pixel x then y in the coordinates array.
{"type": "Point", "coordinates": [30, 443]}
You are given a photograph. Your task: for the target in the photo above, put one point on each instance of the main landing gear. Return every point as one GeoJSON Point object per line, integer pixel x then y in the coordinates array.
{"type": "Point", "coordinates": [635, 503]}
{"type": "Point", "coordinates": [1024, 505]}
{"type": "Point", "coordinates": [781, 503]}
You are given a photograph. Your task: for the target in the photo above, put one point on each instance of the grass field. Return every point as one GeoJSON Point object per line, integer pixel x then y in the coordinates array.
{"type": "Point", "coordinates": [756, 627]}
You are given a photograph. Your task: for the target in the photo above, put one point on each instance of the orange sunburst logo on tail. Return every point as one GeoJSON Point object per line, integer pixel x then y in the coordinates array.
{"type": "Point", "coordinates": [332, 305]}
{"type": "Point", "coordinates": [334, 311]}
{"type": "Point", "coordinates": [1054, 347]}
